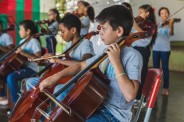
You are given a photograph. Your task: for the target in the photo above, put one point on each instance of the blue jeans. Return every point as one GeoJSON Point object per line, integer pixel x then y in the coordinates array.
{"type": "Point", "coordinates": [33, 81]}
{"type": "Point", "coordinates": [102, 115]}
{"type": "Point", "coordinates": [51, 44]}
{"type": "Point", "coordinates": [14, 77]}
{"type": "Point", "coordinates": [164, 57]}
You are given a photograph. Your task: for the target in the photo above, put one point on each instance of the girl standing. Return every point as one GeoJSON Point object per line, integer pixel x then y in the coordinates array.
{"type": "Point", "coordinates": [53, 17]}
{"type": "Point", "coordinates": [87, 13]}
{"type": "Point", "coordinates": [146, 12]}
{"type": "Point", "coordinates": [161, 48]}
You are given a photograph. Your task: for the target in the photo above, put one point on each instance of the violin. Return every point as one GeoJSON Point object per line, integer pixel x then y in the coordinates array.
{"type": "Point", "coordinates": [10, 28]}
{"type": "Point", "coordinates": [28, 102]}
{"type": "Point", "coordinates": [146, 25]}
{"type": "Point", "coordinates": [42, 21]}
{"type": "Point", "coordinates": [88, 93]}
{"type": "Point", "coordinates": [176, 20]}
{"type": "Point", "coordinates": [44, 28]}
{"type": "Point", "coordinates": [140, 21]}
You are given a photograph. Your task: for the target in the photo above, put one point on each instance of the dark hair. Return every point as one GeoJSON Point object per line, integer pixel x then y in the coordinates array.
{"type": "Point", "coordinates": [29, 24]}
{"type": "Point", "coordinates": [117, 15]}
{"type": "Point", "coordinates": [152, 18]}
{"type": "Point", "coordinates": [70, 21]}
{"type": "Point", "coordinates": [90, 10]}
{"type": "Point", "coordinates": [56, 12]}
{"type": "Point", "coordinates": [128, 6]}
{"type": "Point", "coordinates": [162, 9]}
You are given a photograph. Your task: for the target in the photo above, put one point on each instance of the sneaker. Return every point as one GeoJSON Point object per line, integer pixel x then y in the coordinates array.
{"type": "Point", "coordinates": [4, 102]}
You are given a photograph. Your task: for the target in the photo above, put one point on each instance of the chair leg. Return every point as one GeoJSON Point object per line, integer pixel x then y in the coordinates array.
{"type": "Point", "coordinates": [139, 109]}
{"type": "Point", "coordinates": [147, 116]}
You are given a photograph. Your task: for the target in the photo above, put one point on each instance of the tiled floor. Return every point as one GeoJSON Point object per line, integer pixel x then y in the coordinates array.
{"type": "Point", "coordinates": [167, 109]}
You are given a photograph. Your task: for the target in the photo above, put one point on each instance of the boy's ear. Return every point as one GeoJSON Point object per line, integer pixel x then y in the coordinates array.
{"type": "Point", "coordinates": [74, 30]}
{"type": "Point", "coordinates": [120, 31]}
{"type": "Point", "coordinates": [28, 31]}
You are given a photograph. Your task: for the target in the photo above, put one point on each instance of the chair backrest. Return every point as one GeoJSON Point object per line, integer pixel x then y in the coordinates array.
{"type": "Point", "coordinates": [150, 91]}
{"type": "Point", "coordinates": [152, 85]}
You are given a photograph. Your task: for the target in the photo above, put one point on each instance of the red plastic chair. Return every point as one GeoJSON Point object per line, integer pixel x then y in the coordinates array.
{"type": "Point", "coordinates": [150, 91]}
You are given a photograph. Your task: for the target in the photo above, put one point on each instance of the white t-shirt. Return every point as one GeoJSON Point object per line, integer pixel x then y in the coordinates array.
{"type": "Point", "coordinates": [5, 40]}
{"type": "Point", "coordinates": [32, 46]}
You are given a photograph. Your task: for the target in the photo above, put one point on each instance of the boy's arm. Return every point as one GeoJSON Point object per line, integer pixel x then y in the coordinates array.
{"type": "Point", "coordinates": [128, 87]}
{"type": "Point", "coordinates": [70, 71]}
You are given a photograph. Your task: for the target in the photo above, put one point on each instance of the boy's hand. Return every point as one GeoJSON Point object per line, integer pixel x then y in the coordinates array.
{"type": "Point", "coordinates": [18, 50]}
{"type": "Point", "coordinates": [47, 83]}
{"type": "Point", "coordinates": [113, 52]}
{"type": "Point", "coordinates": [52, 60]}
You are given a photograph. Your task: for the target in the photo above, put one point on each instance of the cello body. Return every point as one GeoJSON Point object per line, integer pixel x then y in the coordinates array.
{"type": "Point", "coordinates": [28, 102]}
{"type": "Point", "coordinates": [10, 64]}
{"type": "Point", "coordinates": [83, 99]}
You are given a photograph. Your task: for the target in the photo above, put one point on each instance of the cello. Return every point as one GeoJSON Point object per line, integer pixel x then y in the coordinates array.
{"type": "Point", "coordinates": [12, 61]}
{"type": "Point", "coordinates": [27, 103]}
{"type": "Point", "coordinates": [88, 93]}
